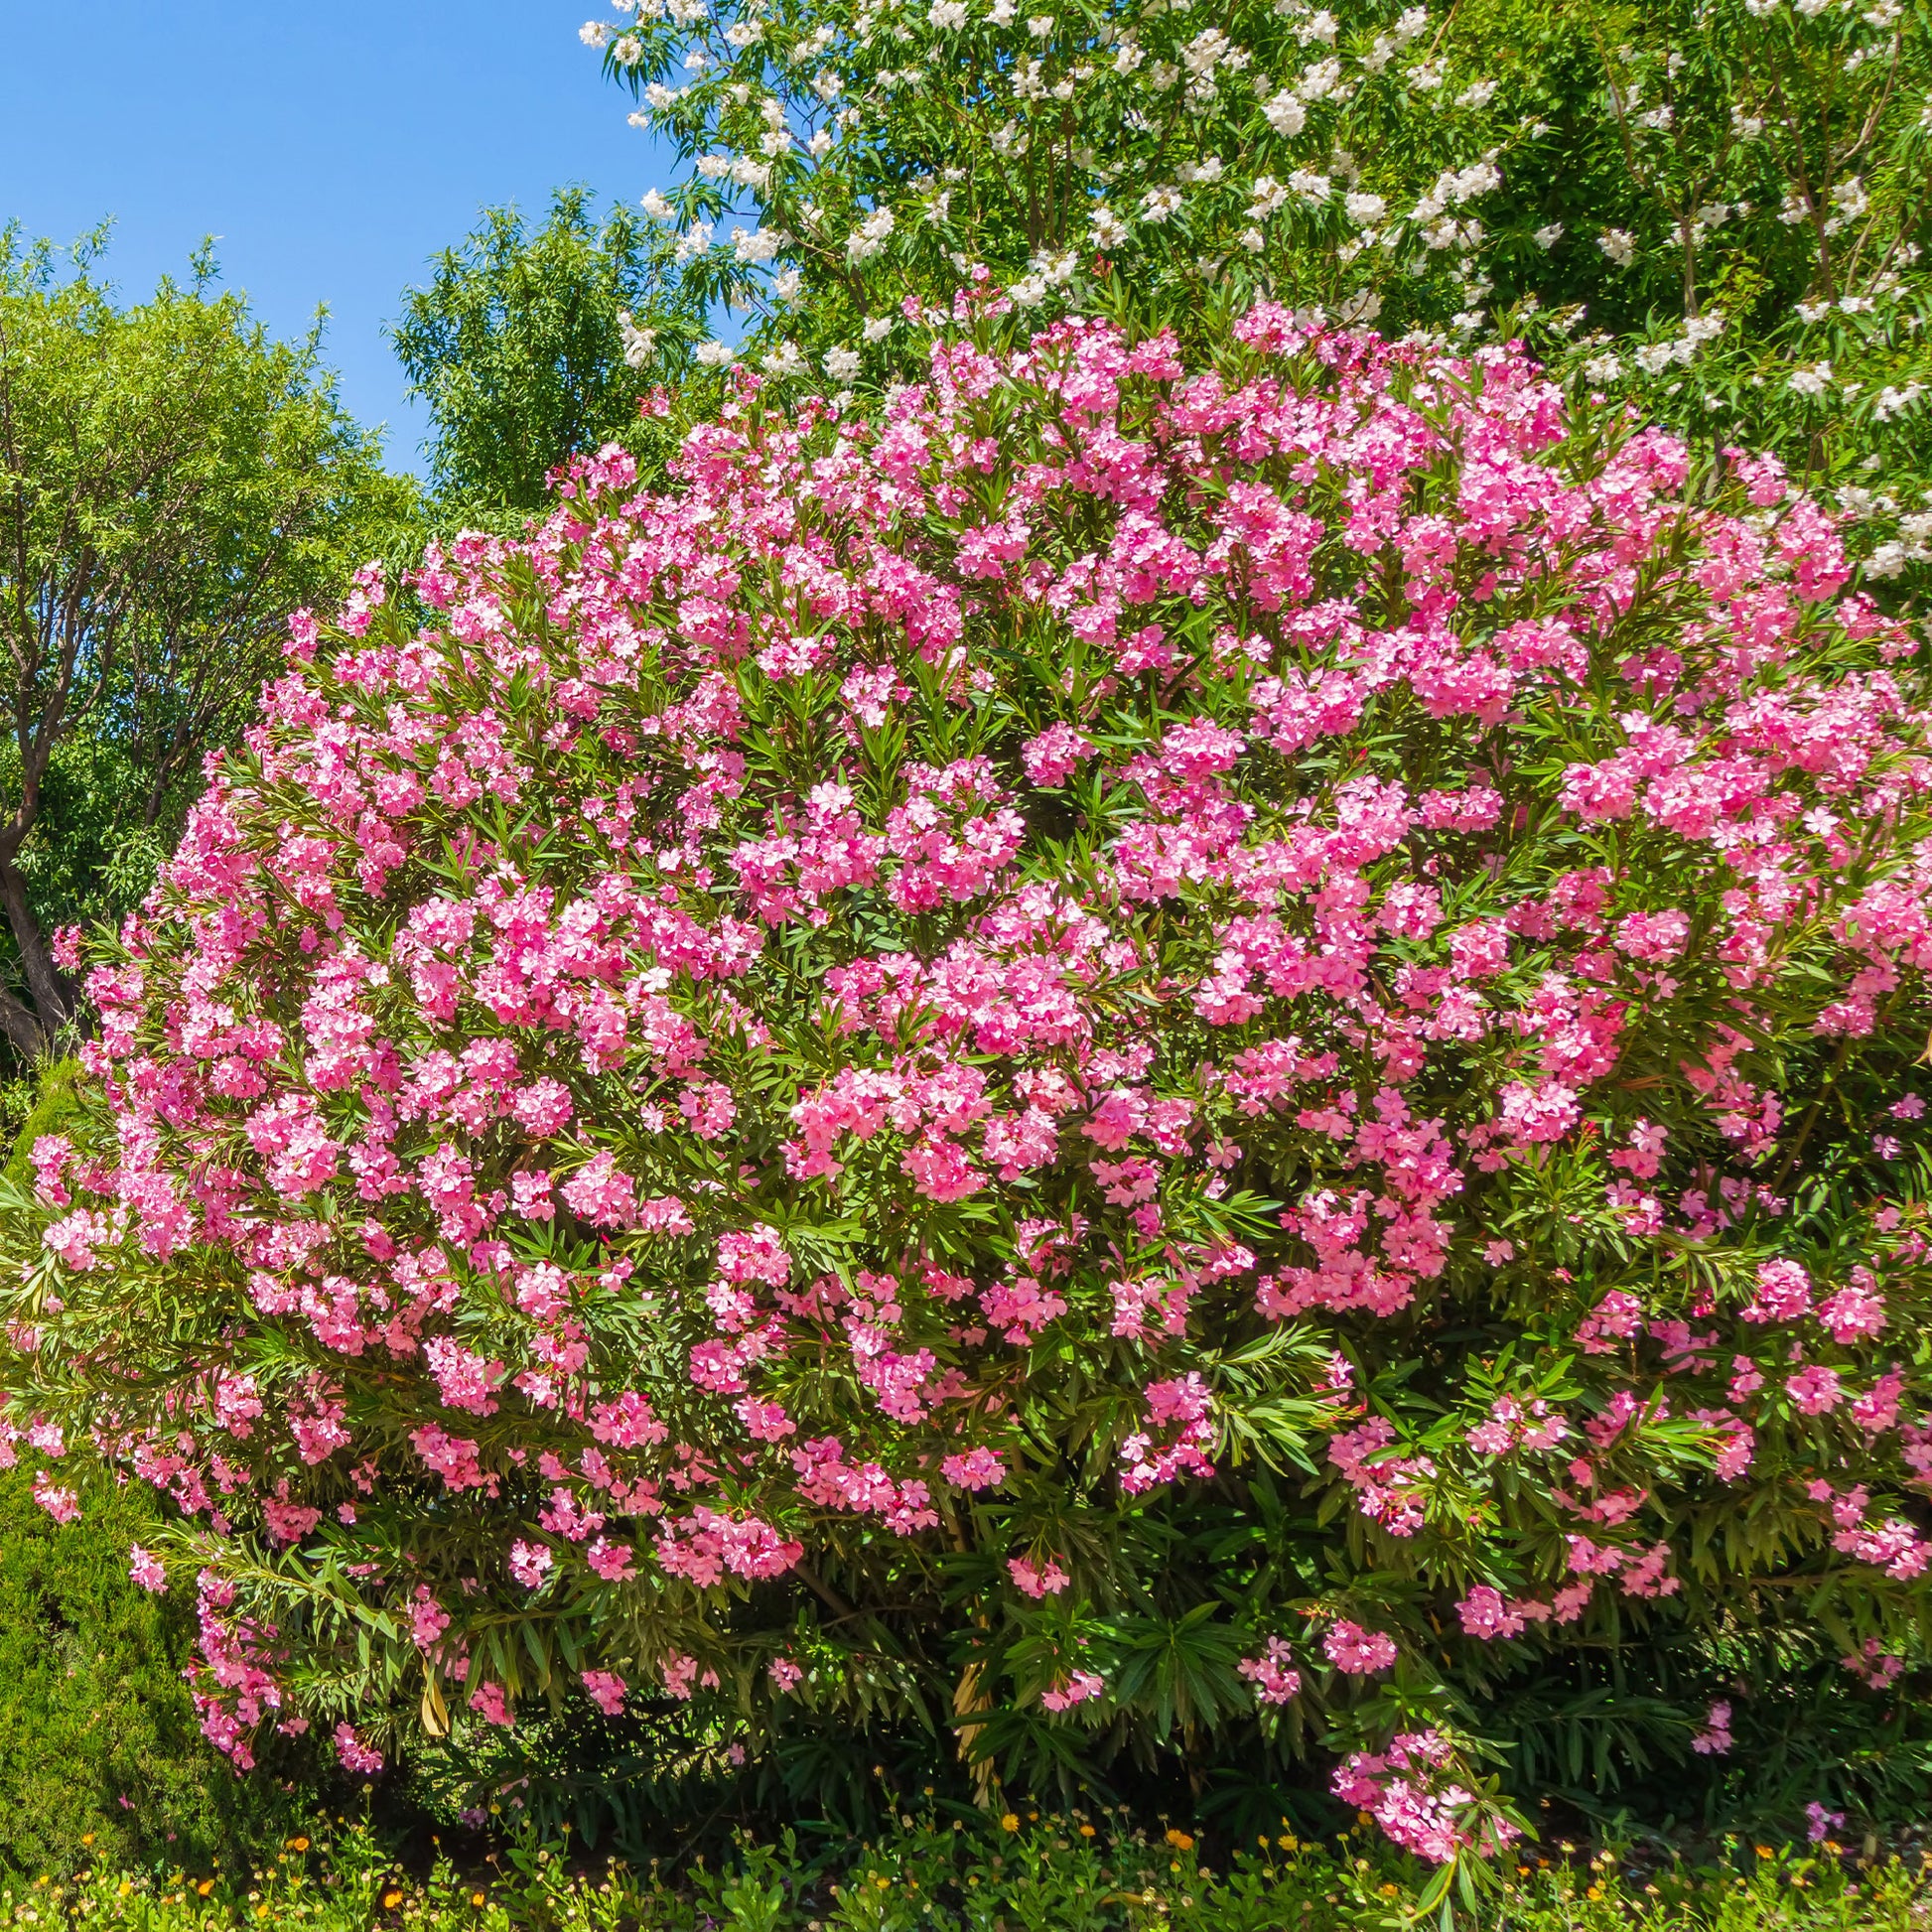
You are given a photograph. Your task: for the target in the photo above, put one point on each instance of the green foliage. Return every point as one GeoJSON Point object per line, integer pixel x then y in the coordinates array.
{"type": "Point", "coordinates": [969, 1873]}
{"type": "Point", "coordinates": [97, 1733]}
{"type": "Point", "coordinates": [518, 347]}
{"type": "Point", "coordinates": [54, 1102]}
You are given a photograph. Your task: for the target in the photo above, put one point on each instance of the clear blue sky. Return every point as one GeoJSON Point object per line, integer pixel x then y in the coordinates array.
{"type": "Point", "coordinates": [334, 146]}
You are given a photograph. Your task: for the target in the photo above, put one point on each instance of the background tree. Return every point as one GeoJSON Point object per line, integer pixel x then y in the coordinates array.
{"type": "Point", "coordinates": [173, 483]}
{"type": "Point", "coordinates": [528, 346]}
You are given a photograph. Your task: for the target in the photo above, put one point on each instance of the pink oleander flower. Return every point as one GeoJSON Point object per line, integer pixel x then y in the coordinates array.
{"type": "Point", "coordinates": [146, 1570]}
{"type": "Point", "coordinates": [1036, 1580]}
{"type": "Point", "coordinates": [1078, 1689]}
{"type": "Point", "coordinates": [1714, 1740]}
{"type": "Point", "coordinates": [606, 1691]}
{"type": "Point", "coordinates": [1358, 1652]}
{"type": "Point", "coordinates": [355, 1755]}
{"type": "Point", "coordinates": [1272, 1674]}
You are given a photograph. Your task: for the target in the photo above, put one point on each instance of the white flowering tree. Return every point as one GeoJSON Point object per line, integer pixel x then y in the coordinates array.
{"type": "Point", "coordinates": [1710, 209]}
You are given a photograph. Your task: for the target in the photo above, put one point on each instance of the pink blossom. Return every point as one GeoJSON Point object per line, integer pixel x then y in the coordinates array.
{"type": "Point", "coordinates": [606, 1691]}
{"type": "Point", "coordinates": [1357, 1651]}
{"type": "Point", "coordinates": [1035, 1579]}
{"type": "Point", "coordinates": [1272, 1673]}
{"type": "Point", "coordinates": [1081, 1685]}
{"type": "Point", "coordinates": [355, 1755]}
{"type": "Point", "coordinates": [1815, 1390]}
{"type": "Point", "coordinates": [1714, 1740]}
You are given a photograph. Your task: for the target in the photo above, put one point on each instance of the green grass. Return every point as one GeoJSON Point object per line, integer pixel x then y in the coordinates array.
{"type": "Point", "coordinates": [1047, 1875]}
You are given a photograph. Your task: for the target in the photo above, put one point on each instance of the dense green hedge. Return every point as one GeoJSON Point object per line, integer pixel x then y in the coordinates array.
{"type": "Point", "coordinates": [98, 1743]}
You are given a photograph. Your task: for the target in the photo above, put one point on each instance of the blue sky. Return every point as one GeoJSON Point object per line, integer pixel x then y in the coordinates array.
{"type": "Point", "coordinates": [335, 147]}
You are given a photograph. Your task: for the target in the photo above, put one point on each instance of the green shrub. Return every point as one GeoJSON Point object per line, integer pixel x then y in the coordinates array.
{"type": "Point", "coordinates": [99, 1742]}
{"type": "Point", "coordinates": [54, 1101]}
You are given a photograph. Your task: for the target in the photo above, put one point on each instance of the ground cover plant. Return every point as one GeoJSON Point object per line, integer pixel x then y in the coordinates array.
{"type": "Point", "coordinates": [1143, 1057]}
{"type": "Point", "coordinates": [1068, 1873]}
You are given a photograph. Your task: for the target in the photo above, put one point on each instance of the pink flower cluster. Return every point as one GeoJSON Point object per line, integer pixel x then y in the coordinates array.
{"type": "Point", "coordinates": [772, 1023]}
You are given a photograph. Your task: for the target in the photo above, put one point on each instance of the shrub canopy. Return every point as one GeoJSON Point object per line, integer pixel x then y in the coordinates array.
{"type": "Point", "coordinates": [1138, 1052]}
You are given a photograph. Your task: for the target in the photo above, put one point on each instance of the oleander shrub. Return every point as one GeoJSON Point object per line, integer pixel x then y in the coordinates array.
{"type": "Point", "coordinates": [1157, 1063]}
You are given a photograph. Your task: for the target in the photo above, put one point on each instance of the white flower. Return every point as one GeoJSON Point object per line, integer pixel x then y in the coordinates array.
{"type": "Point", "coordinates": [841, 365]}
{"type": "Point", "coordinates": [1286, 114]}
{"type": "Point", "coordinates": [1321, 79]}
{"type": "Point", "coordinates": [1603, 368]}
{"type": "Point", "coordinates": [1159, 203]}
{"type": "Point", "coordinates": [714, 167]}
{"type": "Point", "coordinates": [1811, 380]}
{"type": "Point", "coordinates": [1547, 239]}
{"type": "Point", "coordinates": [1365, 208]}
{"type": "Point", "coordinates": [1028, 292]}
{"type": "Point", "coordinates": [1308, 185]}
{"type": "Point", "coordinates": [1746, 127]}
{"type": "Point", "coordinates": [742, 34]}
{"type": "Point", "coordinates": [869, 237]}
{"type": "Point", "coordinates": [1108, 229]}
{"type": "Point", "coordinates": [693, 241]}
{"type": "Point", "coordinates": [1363, 306]}
{"type": "Point", "coordinates": [1203, 53]}
{"type": "Point", "coordinates": [1268, 195]}
{"type": "Point", "coordinates": [759, 246]}
{"type": "Point", "coordinates": [1318, 27]}
{"type": "Point", "coordinates": [1001, 12]}
{"type": "Point", "coordinates": [1698, 329]}
{"type": "Point", "coordinates": [660, 96]}
{"type": "Point", "coordinates": [594, 33]}
{"type": "Point", "coordinates": [639, 345]}
{"type": "Point", "coordinates": [947, 15]}
{"type": "Point", "coordinates": [1658, 118]}
{"type": "Point", "coordinates": [1253, 240]}
{"type": "Point", "coordinates": [827, 85]}
{"type": "Point", "coordinates": [1887, 561]}
{"type": "Point", "coordinates": [1655, 358]}
{"type": "Point", "coordinates": [1620, 245]}
{"type": "Point", "coordinates": [786, 359]}
{"type": "Point", "coordinates": [715, 355]}
{"type": "Point", "coordinates": [877, 327]}
{"type": "Point", "coordinates": [1479, 93]}
{"type": "Point", "coordinates": [1885, 14]}
{"type": "Point", "coordinates": [1891, 401]}
{"type": "Point", "coordinates": [1129, 54]}
{"type": "Point", "coordinates": [657, 207]}
{"type": "Point", "coordinates": [821, 144]}
{"type": "Point", "coordinates": [1040, 26]}
{"type": "Point", "coordinates": [1412, 24]}
{"type": "Point", "coordinates": [788, 284]}
{"type": "Point", "coordinates": [1161, 76]}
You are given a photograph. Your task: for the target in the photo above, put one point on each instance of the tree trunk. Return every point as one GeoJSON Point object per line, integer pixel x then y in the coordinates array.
{"type": "Point", "coordinates": [53, 999]}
